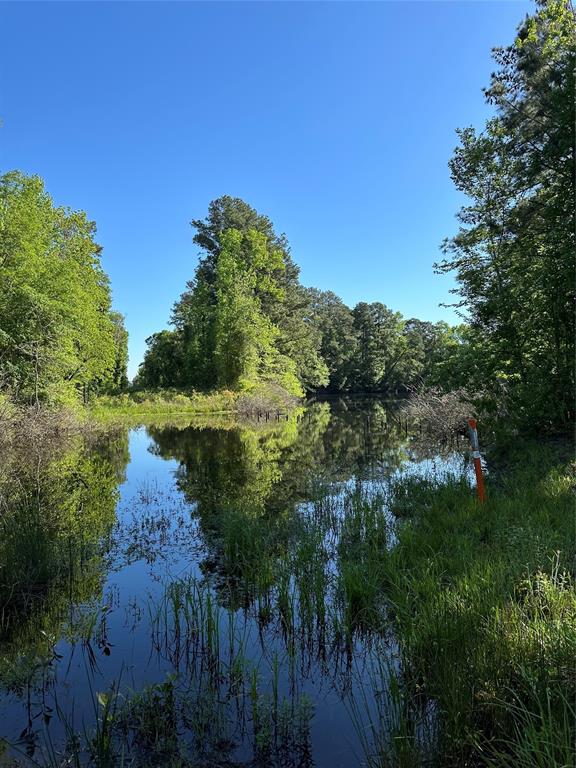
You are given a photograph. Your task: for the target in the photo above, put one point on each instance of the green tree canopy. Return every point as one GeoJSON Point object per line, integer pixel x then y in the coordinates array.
{"type": "Point", "coordinates": [382, 347]}
{"type": "Point", "coordinates": [163, 361]}
{"type": "Point", "coordinates": [246, 340]}
{"type": "Point", "coordinates": [514, 253]}
{"type": "Point", "coordinates": [339, 339]}
{"type": "Point", "coordinates": [58, 335]}
{"type": "Point", "coordinates": [287, 309]}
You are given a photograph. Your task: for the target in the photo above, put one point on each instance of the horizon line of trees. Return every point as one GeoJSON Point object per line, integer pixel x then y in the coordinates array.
{"type": "Point", "coordinates": [244, 319]}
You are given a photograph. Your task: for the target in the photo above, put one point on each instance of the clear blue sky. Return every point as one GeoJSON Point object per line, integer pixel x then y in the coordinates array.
{"type": "Point", "coordinates": [335, 119]}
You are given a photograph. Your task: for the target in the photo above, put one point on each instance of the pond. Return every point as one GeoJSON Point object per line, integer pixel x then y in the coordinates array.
{"type": "Point", "coordinates": [208, 594]}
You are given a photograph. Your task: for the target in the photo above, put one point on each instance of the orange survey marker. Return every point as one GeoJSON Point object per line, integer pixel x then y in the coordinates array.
{"type": "Point", "coordinates": [477, 463]}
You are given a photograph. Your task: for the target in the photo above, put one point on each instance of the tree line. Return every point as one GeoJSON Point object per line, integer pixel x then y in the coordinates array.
{"type": "Point", "coordinates": [60, 339]}
{"type": "Point", "coordinates": [245, 319]}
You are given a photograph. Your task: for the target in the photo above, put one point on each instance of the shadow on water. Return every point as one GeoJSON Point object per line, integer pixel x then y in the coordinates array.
{"type": "Point", "coordinates": [193, 595]}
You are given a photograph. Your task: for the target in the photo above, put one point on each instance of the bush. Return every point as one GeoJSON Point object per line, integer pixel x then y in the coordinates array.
{"type": "Point", "coordinates": [443, 414]}
{"type": "Point", "coordinates": [265, 398]}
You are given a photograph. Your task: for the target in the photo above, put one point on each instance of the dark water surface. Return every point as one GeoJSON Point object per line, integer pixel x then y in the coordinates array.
{"type": "Point", "coordinates": [194, 591]}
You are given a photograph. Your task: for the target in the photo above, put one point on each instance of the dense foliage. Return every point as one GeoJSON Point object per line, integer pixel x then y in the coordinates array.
{"type": "Point", "coordinates": [59, 338]}
{"type": "Point", "coordinates": [245, 319]}
{"type": "Point", "coordinates": [373, 349]}
{"type": "Point", "coordinates": [514, 254]}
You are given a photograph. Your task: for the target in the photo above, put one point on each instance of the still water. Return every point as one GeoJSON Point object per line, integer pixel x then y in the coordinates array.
{"type": "Point", "coordinates": [197, 592]}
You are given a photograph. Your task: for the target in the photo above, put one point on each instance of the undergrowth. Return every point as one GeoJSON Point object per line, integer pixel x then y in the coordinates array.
{"type": "Point", "coordinates": [484, 604]}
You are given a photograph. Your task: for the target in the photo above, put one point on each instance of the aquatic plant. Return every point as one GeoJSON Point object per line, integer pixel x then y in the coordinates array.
{"type": "Point", "coordinates": [484, 604]}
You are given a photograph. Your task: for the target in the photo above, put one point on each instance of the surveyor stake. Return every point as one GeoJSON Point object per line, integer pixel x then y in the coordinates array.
{"type": "Point", "coordinates": [477, 462]}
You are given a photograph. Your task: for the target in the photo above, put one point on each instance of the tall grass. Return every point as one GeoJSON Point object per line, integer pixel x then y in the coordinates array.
{"type": "Point", "coordinates": [167, 401]}
{"type": "Point", "coordinates": [265, 398]}
{"type": "Point", "coordinates": [484, 604]}
{"type": "Point", "coordinates": [463, 615]}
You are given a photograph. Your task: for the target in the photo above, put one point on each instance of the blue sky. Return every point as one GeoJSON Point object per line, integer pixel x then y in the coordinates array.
{"type": "Point", "coordinates": [337, 120]}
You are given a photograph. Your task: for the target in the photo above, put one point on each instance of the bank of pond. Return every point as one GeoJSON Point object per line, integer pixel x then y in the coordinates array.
{"type": "Point", "coordinates": [318, 590]}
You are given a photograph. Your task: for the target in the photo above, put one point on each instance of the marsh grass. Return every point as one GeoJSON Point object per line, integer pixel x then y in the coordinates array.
{"type": "Point", "coordinates": [164, 401]}
{"type": "Point", "coordinates": [363, 537]}
{"type": "Point", "coordinates": [265, 400]}
{"type": "Point", "coordinates": [484, 605]}
{"type": "Point", "coordinates": [462, 618]}
{"type": "Point", "coordinates": [396, 726]}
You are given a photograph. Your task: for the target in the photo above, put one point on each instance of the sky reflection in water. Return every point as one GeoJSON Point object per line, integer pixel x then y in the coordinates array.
{"type": "Point", "coordinates": [223, 567]}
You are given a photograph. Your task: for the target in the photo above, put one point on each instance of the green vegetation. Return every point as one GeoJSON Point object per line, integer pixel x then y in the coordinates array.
{"type": "Point", "coordinates": [59, 338]}
{"type": "Point", "coordinates": [514, 254]}
{"type": "Point", "coordinates": [242, 321]}
{"type": "Point", "coordinates": [266, 400]}
{"type": "Point", "coordinates": [246, 321]}
{"type": "Point", "coordinates": [483, 599]}
{"type": "Point", "coordinates": [165, 401]}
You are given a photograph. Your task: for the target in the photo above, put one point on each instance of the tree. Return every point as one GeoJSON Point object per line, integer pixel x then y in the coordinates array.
{"type": "Point", "coordinates": [339, 339]}
{"type": "Point", "coordinates": [58, 336]}
{"type": "Point", "coordinates": [119, 378]}
{"type": "Point", "coordinates": [381, 347]}
{"type": "Point", "coordinates": [246, 350]}
{"type": "Point", "coordinates": [246, 319]}
{"type": "Point", "coordinates": [163, 364]}
{"type": "Point", "coordinates": [514, 253]}
{"type": "Point", "coordinates": [430, 346]}
{"type": "Point", "coordinates": [195, 313]}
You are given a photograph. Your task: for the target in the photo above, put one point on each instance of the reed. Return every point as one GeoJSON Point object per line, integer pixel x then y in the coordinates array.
{"type": "Point", "coordinates": [484, 605]}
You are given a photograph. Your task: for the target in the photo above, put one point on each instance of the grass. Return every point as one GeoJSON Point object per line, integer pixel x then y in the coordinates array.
{"type": "Point", "coordinates": [363, 538]}
{"type": "Point", "coordinates": [167, 401]}
{"type": "Point", "coordinates": [396, 729]}
{"type": "Point", "coordinates": [484, 604]}
{"type": "Point", "coordinates": [466, 612]}
{"type": "Point", "coordinates": [266, 398]}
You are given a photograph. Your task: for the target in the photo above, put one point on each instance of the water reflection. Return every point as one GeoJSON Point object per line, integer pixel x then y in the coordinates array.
{"type": "Point", "coordinates": [265, 467]}
{"type": "Point", "coordinates": [230, 577]}
{"type": "Point", "coordinates": [58, 507]}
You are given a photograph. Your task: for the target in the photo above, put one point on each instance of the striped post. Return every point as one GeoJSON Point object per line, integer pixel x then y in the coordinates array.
{"type": "Point", "coordinates": [476, 458]}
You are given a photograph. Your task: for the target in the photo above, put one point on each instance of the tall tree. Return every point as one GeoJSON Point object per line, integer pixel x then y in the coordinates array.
{"type": "Point", "coordinates": [382, 347]}
{"type": "Point", "coordinates": [163, 364]}
{"type": "Point", "coordinates": [58, 336]}
{"type": "Point", "coordinates": [119, 377]}
{"type": "Point", "coordinates": [246, 350]}
{"type": "Point", "coordinates": [195, 313]}
{"type": "Point", "coordinates": [339, 338]}
{"type": "Point", "coordinates": [430, 346]}
{"type": "Point", "coordinates": [514, 254]}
